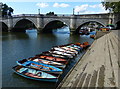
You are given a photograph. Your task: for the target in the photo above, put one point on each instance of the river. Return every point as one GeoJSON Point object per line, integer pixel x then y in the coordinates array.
{"type": "Point", "coordinates": [17, 46]}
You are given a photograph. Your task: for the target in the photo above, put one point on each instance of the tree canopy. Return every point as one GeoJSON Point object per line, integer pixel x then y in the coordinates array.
{"type": "Point", "coordinates": [112, 6]}
{"type": "Point", "coordinates": [6, 10]}
{"type": "Point", "coordinates": [51, 14]}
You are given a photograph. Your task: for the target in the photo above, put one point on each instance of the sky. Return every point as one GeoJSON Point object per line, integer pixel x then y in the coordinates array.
{"type": "Point", "coordinates": [56, 6]}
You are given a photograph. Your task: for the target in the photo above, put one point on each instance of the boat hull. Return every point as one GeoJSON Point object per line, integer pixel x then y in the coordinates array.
{"type": "Point", "coordinates": [52, 63]}
{"type": "Point", "coordinates": [55, 59]}
{"type": "Point", "coordinates": [38, 79]}
{"type": "Point", "coordinates": [45, 70]}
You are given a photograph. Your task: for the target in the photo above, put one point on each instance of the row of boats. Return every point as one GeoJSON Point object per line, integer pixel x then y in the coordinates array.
{"type": "Point", "coordinates": [88, 34]}
{"type": "Point", "coordinates": [49, 65]}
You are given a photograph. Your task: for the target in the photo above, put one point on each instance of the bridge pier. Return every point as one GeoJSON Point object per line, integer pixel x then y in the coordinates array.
{"type": "Point", "coordinates": [10, 29]}
{"type": "Point", "coordinates": [73, 24]}
{"type": "Point", "coordinates": [39, 30]}
{"type": "Point", "coordinates": [10, 24]}
{"type": "Point", "coordinates": [72, 31]}
{"type": "Point", "coordinates": [40, 23]}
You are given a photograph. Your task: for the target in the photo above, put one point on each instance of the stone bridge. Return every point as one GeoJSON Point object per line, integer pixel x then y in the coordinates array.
{"type": "Point", "coordinates": [72, 21]}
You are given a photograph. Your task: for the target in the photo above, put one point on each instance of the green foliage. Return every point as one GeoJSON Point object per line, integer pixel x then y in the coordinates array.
{"type": "Point", "coordinates": [5, 10]}
{"type": "Point", "coordinates": [51, 14]}
{"type": "Point", "coordinates": [112, 6]}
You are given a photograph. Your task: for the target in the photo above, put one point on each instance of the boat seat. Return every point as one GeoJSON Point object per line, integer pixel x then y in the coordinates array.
{"type": "Point", "coordinates": [39, 73]}
{"type": "Point", "coordinates": [23, 70]}
{"type": "Point", "coordinates": [33, 65]}
{"type": "Point", "coordinates": [32, 71]}
{"type": "Point", "coordinates": [27, 63]}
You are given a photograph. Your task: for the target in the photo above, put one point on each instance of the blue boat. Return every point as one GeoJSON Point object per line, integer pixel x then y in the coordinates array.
{"type": "Point", "coordinates": [34, 74]}
{"type": "Point", "coordinates": [40, 66]}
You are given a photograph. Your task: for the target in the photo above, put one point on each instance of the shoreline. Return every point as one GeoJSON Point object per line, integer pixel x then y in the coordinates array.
{"type": "Point", "coordinates": [99, 71]}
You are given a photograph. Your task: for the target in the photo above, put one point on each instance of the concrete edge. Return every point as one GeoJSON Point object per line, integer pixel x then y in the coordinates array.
{"type": "Point", "coordinates": [59, 86]}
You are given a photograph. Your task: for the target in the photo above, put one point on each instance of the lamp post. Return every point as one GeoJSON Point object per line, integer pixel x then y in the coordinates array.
{"type": "Point", "coordinates": [73, 11]}
{"type": "Point", "coordinates": [110, 16]}
{"type": "Point", "coordinates": [39, 11]}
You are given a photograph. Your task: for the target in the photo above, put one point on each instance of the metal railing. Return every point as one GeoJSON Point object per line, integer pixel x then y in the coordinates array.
{"type": "Point", "coordinates": [56, 15]}
{"type": "Point", "coordinates": [21, 15]}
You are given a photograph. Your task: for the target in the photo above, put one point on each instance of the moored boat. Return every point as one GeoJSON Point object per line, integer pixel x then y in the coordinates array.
{"type": "Point", "coordinates": [52, 58]}
{"type": "Point", "coordinates": [63, 50]}
{"type": "Point", "coordinates": [44, 66]}
{"type": "Point", "coordinates": [84, 45]}
{"type": "Point", "coordinates": [76, 47]}
{"type": "Point", "coordinates": [48, 62]}
{"type": "Point", "coordinates": [92, 36]}
{"type": "Point", "coordinates": [55, 55]}
{"type": "Point", "coordinates": [34, 74]}
{"type": "Point", "coordinates": [70, 49]}
{"type": "Point", "coordinates": [62, 53]}
{"type": "Point", "coordinates": [40, 66]}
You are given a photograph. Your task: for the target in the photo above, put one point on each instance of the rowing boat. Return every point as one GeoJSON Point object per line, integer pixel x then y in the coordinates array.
{"type": "Point", "coordinates": [61, 53]}
{"type": "Point", "coordinates": [40, 66]}
{"type": "Point", "coordinates": [34, 74]}
{"type": "Point", "coordinates": [48, 62]}
{"type": "Point", "coordinates": [55, 59]}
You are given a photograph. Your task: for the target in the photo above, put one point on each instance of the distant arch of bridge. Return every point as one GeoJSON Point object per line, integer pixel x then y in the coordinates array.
{"type": "Point", "coordinates": [4, 26]}
{"type": "Point", "coordinates": [27, 19]}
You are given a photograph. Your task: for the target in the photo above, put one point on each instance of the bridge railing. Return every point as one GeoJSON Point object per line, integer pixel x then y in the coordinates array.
{"type": "Point", "coordinates": [34, 15]}
{"type": "Point", "coordinates": [60, 15]}
{"type": "Point", "coordinates": [21, 15]}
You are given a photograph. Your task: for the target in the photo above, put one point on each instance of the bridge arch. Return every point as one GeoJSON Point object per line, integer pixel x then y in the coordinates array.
{"type": "Point", "coordinates": [4, 27]}
{"type": "Point", "coordinates": [24, 19]}
{"type": "Point", "coordinates": [87, 22]}
{"type": "Point", "coordinates": [61, 19]}
{"type": "Point", "coordinates": [23, 24]}
{"type": "Point", "coordinates": [54, 24]}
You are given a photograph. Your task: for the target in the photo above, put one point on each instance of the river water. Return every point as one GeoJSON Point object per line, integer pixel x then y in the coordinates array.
{"type": "Point", "coordinates": [17, 46]}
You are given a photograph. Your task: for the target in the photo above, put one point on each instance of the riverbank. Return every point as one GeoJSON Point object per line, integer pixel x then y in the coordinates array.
{"type": "Point", "coordinates": [98, 67]}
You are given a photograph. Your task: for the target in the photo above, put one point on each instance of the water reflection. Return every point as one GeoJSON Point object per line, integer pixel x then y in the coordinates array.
{"type": "Point", "coordinates": [31, 83]}
{"type": "Point", "coordinates": [14, 36]}
{"type": "Point", "coordinates": [32, 33]}
{"type": "Point", "coordinates": [63, 30]}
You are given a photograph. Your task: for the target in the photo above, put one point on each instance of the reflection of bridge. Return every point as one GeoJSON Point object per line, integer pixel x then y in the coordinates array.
{"type": "Point", "coordinates": [72, 21]}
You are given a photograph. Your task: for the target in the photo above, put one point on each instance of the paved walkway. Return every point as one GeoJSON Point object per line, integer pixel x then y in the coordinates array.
{"type": "Point", "coordinates": [117, 32]}
{"type": "Point", "coordinates": [98, 67]}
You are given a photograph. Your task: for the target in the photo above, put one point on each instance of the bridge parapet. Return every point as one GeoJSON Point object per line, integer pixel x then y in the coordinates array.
{"type": "Point", "coordinates": [93, 16]}
{"type": "Point", "coordinates": [36, 15]}
{"type": "Point", "coordinates": [61, 15]}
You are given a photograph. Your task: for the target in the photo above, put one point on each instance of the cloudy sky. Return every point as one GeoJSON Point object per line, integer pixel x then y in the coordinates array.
{"type": "Point", "coordinates": [58, 7]}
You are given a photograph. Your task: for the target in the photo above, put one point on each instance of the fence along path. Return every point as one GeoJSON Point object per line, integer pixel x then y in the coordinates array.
{"type": "Point", "coordinates": [99, 66]}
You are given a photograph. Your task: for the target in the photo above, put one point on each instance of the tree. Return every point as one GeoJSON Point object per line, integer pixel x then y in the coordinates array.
{"type": "Point", "coordinates": [51, 14]}
{"type": "Point", "coordinates": [5, 10]}
{"type": "Point", "coordinates": [10, 11]}
{"type": "Point", "coordinates": [112, 6]}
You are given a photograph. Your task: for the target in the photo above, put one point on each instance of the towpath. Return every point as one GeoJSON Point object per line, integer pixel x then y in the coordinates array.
{"type": "Point", "coordinates": [98, 68]}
